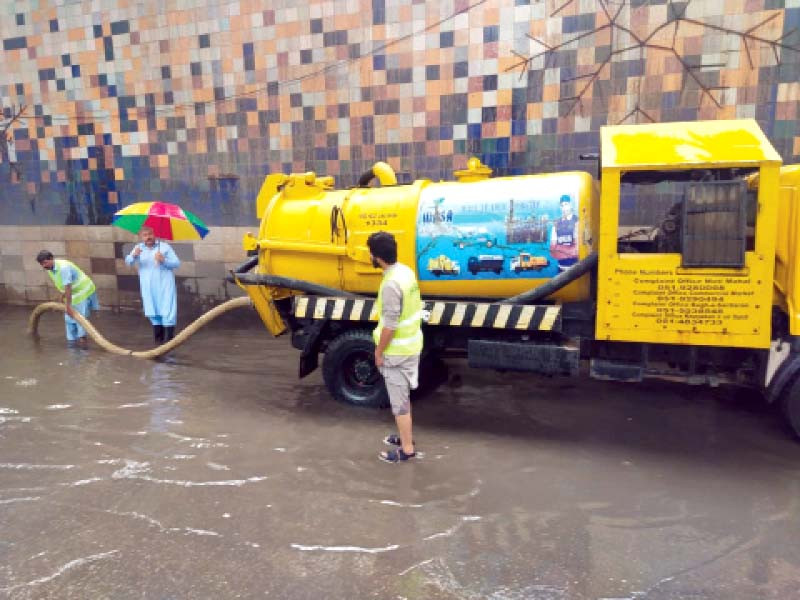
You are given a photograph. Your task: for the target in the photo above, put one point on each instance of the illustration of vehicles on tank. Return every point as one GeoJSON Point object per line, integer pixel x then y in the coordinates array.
{"type": "Point", "coordinates": [528, 262]}
{"type": "Point", "coordinates": [485, 262]}
{"type": "Point", "coordinates": [474, 236]}
{"type": "Point", "coordinates": [443, 265]}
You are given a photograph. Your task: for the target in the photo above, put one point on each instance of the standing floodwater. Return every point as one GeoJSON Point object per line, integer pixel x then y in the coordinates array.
{"type": "Point", "coordinates": [217, 474]}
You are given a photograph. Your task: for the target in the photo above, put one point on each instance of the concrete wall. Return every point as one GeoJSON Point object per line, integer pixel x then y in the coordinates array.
{"type": "Point", "coordinates": [100, 252]}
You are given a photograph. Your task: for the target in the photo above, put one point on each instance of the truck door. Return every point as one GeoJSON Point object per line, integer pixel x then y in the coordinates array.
{"type": "Point", "coordinates": [687, 251]}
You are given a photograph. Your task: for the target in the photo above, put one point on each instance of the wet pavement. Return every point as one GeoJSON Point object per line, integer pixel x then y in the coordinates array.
{"type": "Point", "coordinates": [217, 474]}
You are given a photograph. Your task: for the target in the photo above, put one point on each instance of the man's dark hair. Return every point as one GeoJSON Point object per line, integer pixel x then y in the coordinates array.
{"type": "Point", "coordinates": [383, 245]}
{"type": "Point", "coordinates": [43, 256]}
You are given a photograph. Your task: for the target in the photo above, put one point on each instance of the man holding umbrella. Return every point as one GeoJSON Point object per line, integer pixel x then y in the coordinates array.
{"type": "Point", "coordinates": [155, 258]}
{"type": "Point", "coordinates": [156, 261]}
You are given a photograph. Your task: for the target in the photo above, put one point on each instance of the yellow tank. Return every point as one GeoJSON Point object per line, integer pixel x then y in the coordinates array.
{"type": "Point", "coordinates": [312, 232]}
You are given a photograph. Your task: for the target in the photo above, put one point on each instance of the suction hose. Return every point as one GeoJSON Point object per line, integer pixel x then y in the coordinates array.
{"type": "Point", "coordinates": [556, 283]}
{"type": "Point", "coordinates": [240, 275]}
{"type": "Point", "coordinates": [184, 335]}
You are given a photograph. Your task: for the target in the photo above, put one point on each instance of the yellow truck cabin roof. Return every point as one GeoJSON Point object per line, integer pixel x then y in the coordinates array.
{"type": "Point", "coordinates": [668, 145]}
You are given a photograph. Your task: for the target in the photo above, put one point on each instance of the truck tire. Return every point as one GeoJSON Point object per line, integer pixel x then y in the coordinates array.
{"type": "Point", "coordinates": [433, 372]}
{"type": "Point", "coordinates": [790, 405]}
{"type": "Point", "coordinates": [349, 371]}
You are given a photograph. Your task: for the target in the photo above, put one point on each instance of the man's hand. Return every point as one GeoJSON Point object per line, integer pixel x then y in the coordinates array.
{"type": "Point", "coordinates": [159, 257]}
{"type": "Point", "coordinates": [378, 358]}
{"type": "Point", "coordinates": [70, 311]}
{"type": "Point", "coordinates": [136, 251]}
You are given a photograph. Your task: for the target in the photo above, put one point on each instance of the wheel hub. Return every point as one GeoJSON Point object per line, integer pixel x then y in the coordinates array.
{"type": "Point", "coordinates": [362, 369]}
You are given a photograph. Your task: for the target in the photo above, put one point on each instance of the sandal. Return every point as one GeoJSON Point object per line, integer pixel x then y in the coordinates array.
{"type": "Point", "coordinates": [392, 440]}
{"type": "Point", "coordinates": [395, 456]}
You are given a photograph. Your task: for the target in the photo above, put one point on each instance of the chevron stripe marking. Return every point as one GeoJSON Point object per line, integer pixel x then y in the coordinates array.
{"type": "Point", "coordinates": [358, 306]}
{"type": "Point", "coordinates": [480, 314]}
{"type": "Point", "coordinates": [338, 309]}
{"type": "Point", "coordinates": [548, 320]}
{"type": "Point", "coordinates": [443, 313]}
{"type": "Point", "coordinates": [436, 314]}
{"type": "Point", "coordinates": [458, 314]}
{"type": "Point", "coordinates": [319, 308]}
{"type": "Point", "coordinates": [502, 316]}
{"type": "Point", "coordinates": [525, 317]}
{"type": "Point", "coordinates": [302, 303]}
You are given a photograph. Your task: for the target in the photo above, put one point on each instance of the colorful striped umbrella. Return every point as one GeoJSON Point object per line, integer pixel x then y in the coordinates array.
{"type": "Point", "coordinates": [169, 221]}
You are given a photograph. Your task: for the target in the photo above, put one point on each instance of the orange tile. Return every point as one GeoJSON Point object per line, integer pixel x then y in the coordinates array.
{"type": "Point", "coordinates": [551, 93]}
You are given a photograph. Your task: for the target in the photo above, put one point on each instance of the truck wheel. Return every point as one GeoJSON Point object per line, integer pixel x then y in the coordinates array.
{"type": "Point", "coordinates": [433, 372]}
{"type": "Point", "coordinates": [790, 405]}
{"type": "Point", "coordinates": [349, 370]}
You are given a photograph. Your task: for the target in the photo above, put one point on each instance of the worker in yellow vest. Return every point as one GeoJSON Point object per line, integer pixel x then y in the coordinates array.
{"type": "Point", "coordinates": [398, 339]}
{"type": "Point", "coordinates": [78, 292]}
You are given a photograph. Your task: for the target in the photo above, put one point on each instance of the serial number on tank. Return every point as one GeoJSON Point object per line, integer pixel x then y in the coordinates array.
{"type": "Point", "coordinates": [377, 219]}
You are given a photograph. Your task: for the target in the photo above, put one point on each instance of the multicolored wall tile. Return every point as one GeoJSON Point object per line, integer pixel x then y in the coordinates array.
{"type": "Point", "coordinates": [195, 101]}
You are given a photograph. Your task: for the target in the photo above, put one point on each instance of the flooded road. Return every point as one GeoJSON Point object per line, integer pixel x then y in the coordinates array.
{"type": "Point", "coordinates": [217, 474]}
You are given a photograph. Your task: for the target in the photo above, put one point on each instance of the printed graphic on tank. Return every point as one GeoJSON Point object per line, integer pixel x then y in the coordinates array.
{"type": "Point", "coordinates": [497, 229]}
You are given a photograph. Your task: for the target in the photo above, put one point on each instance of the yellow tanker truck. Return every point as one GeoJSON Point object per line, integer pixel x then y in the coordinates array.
{"type": "Point", "coordinates": [680, 263]}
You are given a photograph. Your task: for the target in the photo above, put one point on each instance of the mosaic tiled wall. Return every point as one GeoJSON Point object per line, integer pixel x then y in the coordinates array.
{"type": "Point", "coordinates": [194, 101]}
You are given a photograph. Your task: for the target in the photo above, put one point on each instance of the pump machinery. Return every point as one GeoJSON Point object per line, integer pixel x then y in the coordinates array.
{"type": "Point", "coordinates": [680, 263]}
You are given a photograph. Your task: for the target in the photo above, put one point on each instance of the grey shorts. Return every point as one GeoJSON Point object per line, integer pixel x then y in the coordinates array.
{"type": "Point", "coordinates": [401, 376]}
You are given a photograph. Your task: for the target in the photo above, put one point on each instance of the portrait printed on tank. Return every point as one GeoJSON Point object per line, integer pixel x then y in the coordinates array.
{"type": "Point", "coordinates": [564, 235]}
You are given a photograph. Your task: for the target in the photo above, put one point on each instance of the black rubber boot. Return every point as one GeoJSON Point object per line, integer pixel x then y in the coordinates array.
{"type": "Point", "coordinates": [158, 334]}
{"type": "Point", "coordinates": [169, 333]}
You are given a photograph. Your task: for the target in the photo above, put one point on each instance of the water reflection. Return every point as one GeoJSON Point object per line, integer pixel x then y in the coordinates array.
{"type": "Point", "coordinates": [163, 391]}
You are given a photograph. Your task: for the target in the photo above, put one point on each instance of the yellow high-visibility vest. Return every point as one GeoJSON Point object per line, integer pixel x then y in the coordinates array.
{"type": "Point", "coordinates": [407, 340]}
{"type": "Point", "coordinates": [82, 287]}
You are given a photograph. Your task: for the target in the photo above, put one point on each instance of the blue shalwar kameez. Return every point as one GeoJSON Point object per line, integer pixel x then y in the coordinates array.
{"type": "Point", "coordinates": [157, 282]}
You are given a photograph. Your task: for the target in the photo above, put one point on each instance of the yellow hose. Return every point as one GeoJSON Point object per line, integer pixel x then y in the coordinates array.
{"type": "Point", "coordinates": [194, 327]}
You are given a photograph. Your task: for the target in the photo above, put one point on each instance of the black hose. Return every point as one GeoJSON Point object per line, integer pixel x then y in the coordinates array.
{"type": "Point", "coordinates": [241, 275]}
{"type": "Point", "coordinates": [247, 265]}
{"type": "Point", "coordinates": [288, 283]}
{"type": "Point", "coordinates": [365, 178]}
{"type": "Point", "coordinates": [556, 283]}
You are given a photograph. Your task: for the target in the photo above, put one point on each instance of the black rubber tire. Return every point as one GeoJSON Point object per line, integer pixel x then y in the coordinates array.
{"type": "Point", "coordinates": [433, 372]}
{"type": "Point", "coordinates": [790, 405]}
{"type": "Point", "coordinates": [349, 371]}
